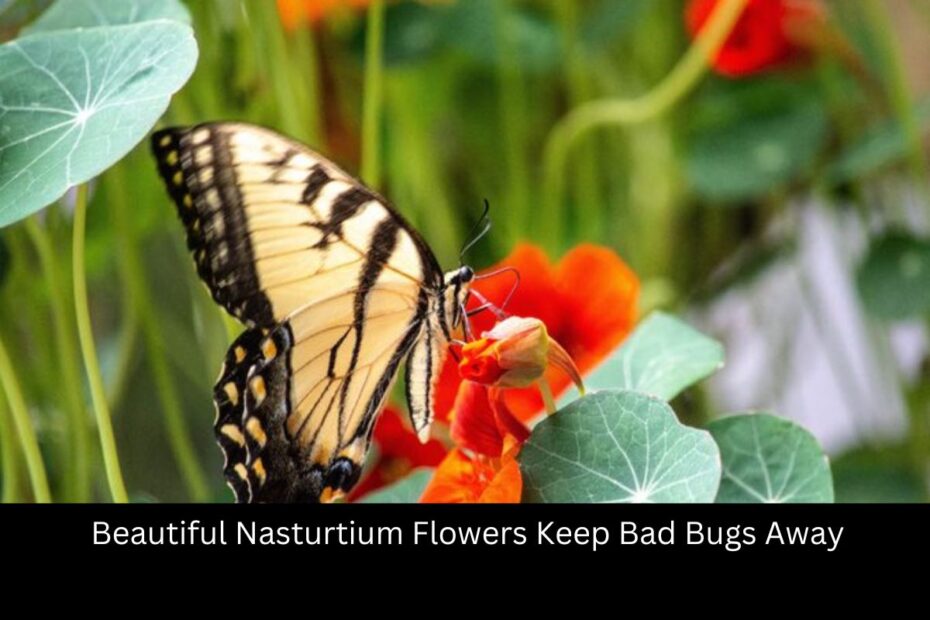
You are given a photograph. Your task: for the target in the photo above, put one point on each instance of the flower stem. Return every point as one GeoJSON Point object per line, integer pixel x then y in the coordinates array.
{"type": "Point", "coordinates": [512, 114]}
{"type": "Point", "coordinates": [133, 277]}
{"type": "Point", "coordinates": [9, 458]}
{"type": "Point", "coordinates": [27, 436]}
{"type": "Point", "coordinates": [546, 392]}
{"type": "Point", "coordinates": [621, 112]}
{"type": "Point", "coordinates": [373, 96]}
{"type": "Point", "coordinates": [89, 353]}
{"type": "Point", "coordinates": [77, 481]}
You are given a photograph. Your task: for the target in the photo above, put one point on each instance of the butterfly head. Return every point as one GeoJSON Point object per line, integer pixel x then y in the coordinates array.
{"type": "Point", "coordinates": [457, 288]}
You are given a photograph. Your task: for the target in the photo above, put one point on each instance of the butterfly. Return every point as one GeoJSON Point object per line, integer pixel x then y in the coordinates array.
{"type": "Point", "coordinates": [336, 291]}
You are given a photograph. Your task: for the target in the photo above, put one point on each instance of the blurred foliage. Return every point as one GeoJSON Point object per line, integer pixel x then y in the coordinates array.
{"type": "Point", "coordinates": [894, 278]}
{"type": "Point", "coordinates": [472, 90]}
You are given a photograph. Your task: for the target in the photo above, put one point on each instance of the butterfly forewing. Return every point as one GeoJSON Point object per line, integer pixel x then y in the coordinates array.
{"type": "Point", "coordinates": [336, 288]}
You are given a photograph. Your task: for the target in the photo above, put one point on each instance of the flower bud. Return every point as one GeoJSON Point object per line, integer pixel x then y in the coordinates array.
{"type": "Point", "coordinates": [514, 354]}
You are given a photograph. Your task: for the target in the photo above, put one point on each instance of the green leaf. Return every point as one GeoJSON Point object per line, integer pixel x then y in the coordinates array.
{"type": "Point", "coordinates": [878, 474]}
{"type": "Point", "coordinates": [74, 102]}
{"type": "Point", "coordinates": [662, 357]}
{"type": "Point", "coordinates": [753, 139]}
{"type": "Point", "coordinates": [877, 149]}
{"type": "Point", "coordinates": [618, 446]}
{"type": "Point", "coordinates": [894, 278]}
{"type": "Point", "coordinates": [770, 460]}
{"type": "Point", "coordinates": [405, 491]}
{"type": "Point", "coordinates": [65, 14]}
{"type": "Point", "coordinates": [472, 29]}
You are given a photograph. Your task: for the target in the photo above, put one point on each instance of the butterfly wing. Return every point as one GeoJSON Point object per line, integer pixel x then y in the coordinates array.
{"type": "Point", "coordinates": [336, 288]}
{"type": "Point", "coordinates": [272, 224]}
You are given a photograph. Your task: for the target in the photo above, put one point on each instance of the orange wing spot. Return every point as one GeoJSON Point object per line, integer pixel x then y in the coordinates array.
{"type": "Point", "coordinates": [188, 201]}
{"type": "Point", "coordinates": [178, 178]}
{"type": "Point", "coordinates": [257, 385]}
{"type": "Point", "coordinates": [232, 431]}
{"type": "Point", "coordinates": [259, 468]}
{"type": "Point", "coordinates": [241, 471]}
{"type": "Point", "coordinates": [254, 427]}
{"type": "Point", "coordinates": [240, 354]}
{"type": "Point", "coordinates": [330, 494]}
{"type": "Point", "coordinates": [232, 392]}
{"type": "Point", "coordinates": [269, 350]}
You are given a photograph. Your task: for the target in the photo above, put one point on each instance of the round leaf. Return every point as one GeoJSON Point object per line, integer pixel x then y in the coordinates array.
{"type": "Point", "coordinates": [894, 278]}
{"type": "Point", "coordinates": [405, 491]}
{"type": "Point", "coordinates": [618, 446]}
{"type": "Point", "coordinates": [662, 357]}
{"type": "Point", "coordinates": [770, 460]}
{"type": "Point", "coordinates": [74, 102]}
{"type": "Point", "coordinates": [752, 138]}
{"type": "Point", "coordinates": [65, 14]}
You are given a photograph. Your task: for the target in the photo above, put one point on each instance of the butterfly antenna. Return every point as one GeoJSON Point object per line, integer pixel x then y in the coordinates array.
{"type": "Point", "coordinates": [479, 230]}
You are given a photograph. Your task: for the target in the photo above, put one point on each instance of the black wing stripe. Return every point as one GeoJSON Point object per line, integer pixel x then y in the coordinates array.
{"type": "Point", "coordinates": [217, 231]}
{"type": "Point", "coordinates": [383, 242]}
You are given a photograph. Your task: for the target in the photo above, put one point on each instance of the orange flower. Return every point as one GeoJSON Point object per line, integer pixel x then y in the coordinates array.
{"type": "Point", "coordinates": [295, 13]}
{"type": "Point", "coordinates": [481, 420]}
{"type": "Point", "coordinates": [587, 303]}
{"type": "Point", "coordinates": [399, 451]}
{"type": "Point", "coordinates": [514, 354]}
{"type": "Point", "coordinates": [768, 33]}
{"type": "Point", "coordinates": [462, 478]}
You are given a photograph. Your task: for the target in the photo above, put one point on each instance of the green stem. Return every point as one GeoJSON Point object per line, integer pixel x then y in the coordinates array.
{"type": "Point", "coordinates": [306, 71]}
{"type": "Point", "coordinates": [77, 475]}
{"type": "Point", "coordinates": [622, 112]}
{"type": "Point", "coordinates": [134, 280]}
{"type": "Point", "coordinates": [373, 96]}
{"type": "Point", "coordinates": [9, 465]}
{"type": "Point", "coordinates": [586, 178]}
{"type": "Point", "coordinates": [89, 352]}
{"type": "Point", "coordinates": [27, 436]}
{"type": "Point", "coordinates": [512, 114]}
{"type": "Point", "coordinates": [900, 94]}
{"type": "Point", "coordinates": [128, 337]}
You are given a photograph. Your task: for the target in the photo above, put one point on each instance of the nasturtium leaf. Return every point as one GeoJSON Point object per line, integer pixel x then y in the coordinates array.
{"type": "Point", "coordinates": [770, 460]}
{"type": "Point", "coordinates": [894, 278]}
{"type": "Point", "coordinates": [405, 491]}
{"type": "Point", "coordinates": [74, 102]}
{"type": "Point", "coordinates": [618, 446]}
{"type": "Point", "coordinates": [876, 149]}
{"type": "Point", "coordinates": [661, 357]}
{"type": "Point", "coordinates": [877, 475]}
{"type": "Point", "coordinates": [750, 139]}
{"type": "Point", "coordinates": [472, 28]}
{"type": "Point", "coordinates": [65, 14]}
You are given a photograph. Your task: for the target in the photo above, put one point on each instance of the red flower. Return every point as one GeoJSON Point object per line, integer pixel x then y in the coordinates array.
{"type": "Point", "coordinates": [463, 478]}
{"type": "Point", "coordinates": [481, 420]}
{"type": "Point", "coordinates": [399, 451]}
{"type": "Point", "coordinates": [587, 303]}
{"type": "Point", "coordinates": [768, 33]}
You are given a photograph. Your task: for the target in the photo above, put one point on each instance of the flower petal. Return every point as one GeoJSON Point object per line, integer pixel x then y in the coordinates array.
{"type": "Point", "coordinates": [458, 479]}
{"type": "Point", "coordinates": [398, 451]}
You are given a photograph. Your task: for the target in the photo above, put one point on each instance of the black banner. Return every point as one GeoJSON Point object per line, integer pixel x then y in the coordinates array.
{"type": "Point", "coordinates": [594, 531]}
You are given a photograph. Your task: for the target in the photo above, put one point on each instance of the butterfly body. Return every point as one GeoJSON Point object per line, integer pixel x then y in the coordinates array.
{"type": "Point", "coordinates": [336, 291]}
